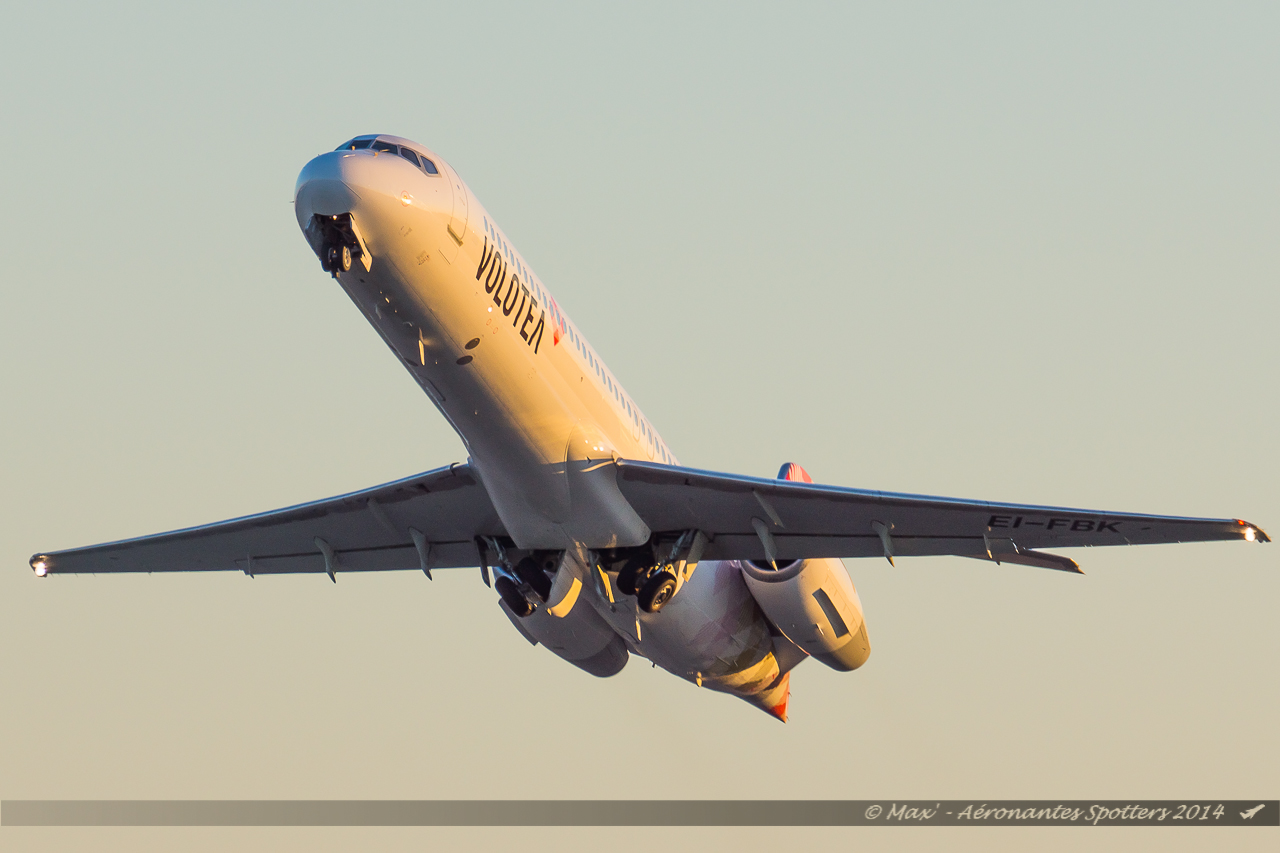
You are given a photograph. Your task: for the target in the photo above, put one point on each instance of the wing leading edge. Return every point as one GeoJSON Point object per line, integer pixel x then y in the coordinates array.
{"type": "Point", "coordinates": [431, 520]}
{"type": "Point", "coordinates": [374, 529]}
{"type": "Point", "coordinates": [745, 516]}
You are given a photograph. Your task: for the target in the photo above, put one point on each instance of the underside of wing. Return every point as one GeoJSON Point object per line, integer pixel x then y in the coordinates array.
{"type": "Point", "coordinates": [426, 521]}
{"type": "Point", "coordinates": [746, 517]}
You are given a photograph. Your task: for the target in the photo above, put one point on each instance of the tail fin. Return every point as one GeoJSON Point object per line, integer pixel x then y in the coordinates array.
{"type": "Point", "coordinates": [792, 471]}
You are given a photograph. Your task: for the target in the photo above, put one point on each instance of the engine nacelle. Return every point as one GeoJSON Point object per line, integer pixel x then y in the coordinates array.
{"type": "Point", "coordinates": [813, 603]}
{"type": "Point", "coordinates": [572, 629]}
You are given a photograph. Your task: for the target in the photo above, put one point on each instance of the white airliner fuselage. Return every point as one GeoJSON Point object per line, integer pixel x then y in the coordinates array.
{"type": "Point", "coordinates": [535, 406]}
{"type": "Point", "coordinates": [485, 339]}
{"type": "Point", "coordinates": [602, 545]}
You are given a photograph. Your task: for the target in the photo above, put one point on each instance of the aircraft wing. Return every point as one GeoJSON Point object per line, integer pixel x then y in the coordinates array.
{"type": "Point", "coordinates": [369, 530]}
{"type": "Point", "coordinates": [744, 516]}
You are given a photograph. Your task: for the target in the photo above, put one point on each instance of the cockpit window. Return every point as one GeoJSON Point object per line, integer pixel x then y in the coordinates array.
{"type": "Point", "coordinates": [376, 144]}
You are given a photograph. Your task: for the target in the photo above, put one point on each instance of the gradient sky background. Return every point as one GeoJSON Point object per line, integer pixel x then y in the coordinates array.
{"type": "Point", "coordinates": [998, 252]}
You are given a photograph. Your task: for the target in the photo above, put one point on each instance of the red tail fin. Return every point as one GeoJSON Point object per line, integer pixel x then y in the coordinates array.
{"type": "Point", "coordinates": [780, 710]}
{"type": "Point", "coordinates": [792, 471]}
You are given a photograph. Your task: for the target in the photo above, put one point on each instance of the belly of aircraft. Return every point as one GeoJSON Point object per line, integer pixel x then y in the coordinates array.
{"type": "Point", "coordinates": [712, 634]}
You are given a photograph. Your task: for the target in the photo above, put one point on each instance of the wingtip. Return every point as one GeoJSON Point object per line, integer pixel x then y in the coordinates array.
{"type": "Point", "coordinates": [1252, 532]}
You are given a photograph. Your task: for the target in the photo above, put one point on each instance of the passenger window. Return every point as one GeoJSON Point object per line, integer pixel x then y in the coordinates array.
{"type": "Point", "coordinates": [429, 167]}
{"type": "Point", "coordinates": [409, 155]}
{"type": "Point", "coordinates": [384, 146]}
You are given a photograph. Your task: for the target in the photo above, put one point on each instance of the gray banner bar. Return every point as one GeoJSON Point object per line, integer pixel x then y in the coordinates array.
{"type": "Point", "coordinates": [640, 813]}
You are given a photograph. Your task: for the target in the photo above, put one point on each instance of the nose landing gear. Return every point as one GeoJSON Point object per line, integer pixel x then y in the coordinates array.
{"type": "Point", "coordinates": [338, 259]}
{"type": "Point", "coordinates": [337, 242]}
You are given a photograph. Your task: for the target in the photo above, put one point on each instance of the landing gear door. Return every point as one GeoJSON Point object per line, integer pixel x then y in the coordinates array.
{"type": "Point", "coordinates": [457, 228]}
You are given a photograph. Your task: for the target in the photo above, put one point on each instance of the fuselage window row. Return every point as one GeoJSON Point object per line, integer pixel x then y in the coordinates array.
{"type": "Point", "coordinates": [624, 404]}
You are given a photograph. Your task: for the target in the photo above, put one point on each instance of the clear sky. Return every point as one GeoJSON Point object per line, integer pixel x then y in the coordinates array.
{"type": "Point", "coordinates": [1000, 251]}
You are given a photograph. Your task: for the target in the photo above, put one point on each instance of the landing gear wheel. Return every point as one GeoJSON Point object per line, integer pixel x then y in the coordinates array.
{"type": "Point", "coordinates": [337, 259]}
{"type": "Point", "coordinates": [632, 575]}
{"type": "Point", "coordinates": [627, 580]}
{"type": "Point", "coordinates": [511, 595]}
{"type": "Point", "coordinates": [527, 570]}
{"type": "Point", "coordinates": [656, 592]}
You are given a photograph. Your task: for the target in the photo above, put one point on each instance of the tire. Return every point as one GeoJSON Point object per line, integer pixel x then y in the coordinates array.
{"type": "Point", "coordinates": [633, 574]}
{"type": "Point", "coordinates": [344, 258]}
{"type": "Point", "coordinates": [627, 580]}
{"type": "Point", "coordinates": [657, 591]}
{"type": "Point", "coordinates": [511, 595]}
{"type": "Point", "coordinates": [527, 570]}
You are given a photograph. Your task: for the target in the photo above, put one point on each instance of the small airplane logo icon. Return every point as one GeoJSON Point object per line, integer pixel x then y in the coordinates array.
{"type": "Point", "coordinates": [1253, 811]}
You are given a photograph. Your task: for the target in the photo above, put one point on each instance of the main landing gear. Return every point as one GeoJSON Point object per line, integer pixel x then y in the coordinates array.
{"type": "Point", "coordinates": [511, 594]}
{"type": "Point", "coordinates": [653, 586]}
{"type": "Point", "coordinates": [528, 584]}
{"type": "Point", "coordinates": [656, 592]}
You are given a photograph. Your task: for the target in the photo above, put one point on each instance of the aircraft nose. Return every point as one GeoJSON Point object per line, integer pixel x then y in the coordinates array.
{"type": "Point", "coordinates": [327, 186]}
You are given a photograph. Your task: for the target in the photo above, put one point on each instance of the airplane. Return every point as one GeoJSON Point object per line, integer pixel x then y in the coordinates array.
{"type": "Point", "coordinates": [599, 543]}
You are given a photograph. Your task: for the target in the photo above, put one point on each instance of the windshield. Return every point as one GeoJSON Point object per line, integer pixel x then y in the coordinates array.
{"type": "Point", "coordinates": [372, 142]}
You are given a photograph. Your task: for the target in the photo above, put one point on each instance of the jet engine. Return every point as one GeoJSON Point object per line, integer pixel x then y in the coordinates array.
{"type": "Point", "coordinates": [569, 626]}
{"type": "Point", "coordinates": [814, 605]}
